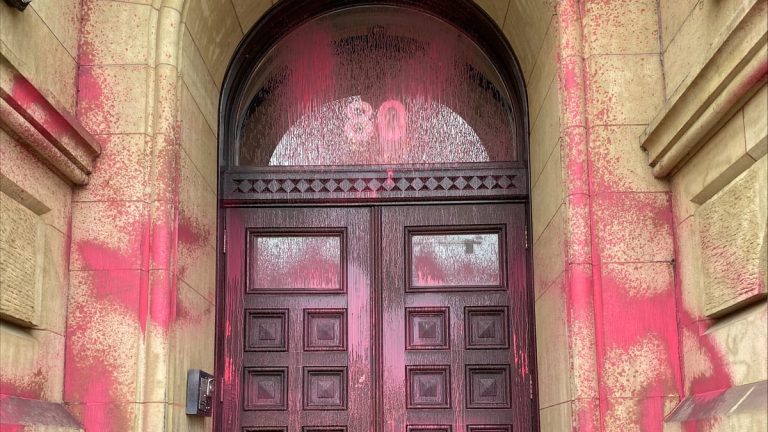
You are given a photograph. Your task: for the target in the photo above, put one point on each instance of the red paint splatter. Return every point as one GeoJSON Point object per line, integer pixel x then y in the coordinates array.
{"type": "Point", "coordinates": [90, 96]}
{"type": "Point", "coordinates": [85, 48]}
{"type": "Point", "coordinates": [191, 232]}
{"type": "Point", "coordinates": [31, 386]}
{"type": "Point", "coordinates": [38, 110]}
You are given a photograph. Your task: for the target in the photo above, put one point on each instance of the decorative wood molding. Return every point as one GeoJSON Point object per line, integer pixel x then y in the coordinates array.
{"type": "Point", "coordinates": [729, 78]}
{"type": "Point", "coordinates": [373, 183]}
{"type": "Point", "coordinates": [50, 133]}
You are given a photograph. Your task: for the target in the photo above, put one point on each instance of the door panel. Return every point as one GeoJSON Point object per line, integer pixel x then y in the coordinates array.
{"type": "Point", "coordinates": [298, 320]}
{"type": "Point", "coordinates": [454, 316]}
{"type": "Point", "coordinates": [442, 345]}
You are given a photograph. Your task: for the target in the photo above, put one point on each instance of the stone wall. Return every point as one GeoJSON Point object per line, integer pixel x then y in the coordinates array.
{"type": "Point", "coordinates": [120, 250]}
{"type": "Point", "coordinates": [710, 140]}
{"type": "Point", "coordinates": [44, 154]}
{"type": "Point", "coordinates": [618, 287]}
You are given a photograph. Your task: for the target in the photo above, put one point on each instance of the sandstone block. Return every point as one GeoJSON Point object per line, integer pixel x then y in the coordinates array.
{"type": "Point", "coordinates": [21, 247]}
{"type": "Point", "coordinates": [249, 11]}
{"type": "Point", "coordinates": [734, 233]}
{"type": "Point", "coordinates": [216, 30]}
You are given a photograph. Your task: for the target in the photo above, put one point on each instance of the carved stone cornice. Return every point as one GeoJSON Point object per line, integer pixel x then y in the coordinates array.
{"type": "Point", "coordinates": [49, 132]}
{"type": "Point", "coordinates": [702, 104]}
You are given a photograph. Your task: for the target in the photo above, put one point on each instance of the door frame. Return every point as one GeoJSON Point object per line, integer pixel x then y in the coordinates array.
{"type": "Point", "coordinates": [277, 187]}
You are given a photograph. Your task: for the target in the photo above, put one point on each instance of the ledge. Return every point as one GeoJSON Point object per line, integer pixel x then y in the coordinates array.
{"type": "Point", "coordinates": [695, 112]}
{"type": "Point", "coordinates": [30, 414]}
{"type": "Point", "coordinates": [49, 132]}
{"type": "Point", "coordinates": [745, 398]}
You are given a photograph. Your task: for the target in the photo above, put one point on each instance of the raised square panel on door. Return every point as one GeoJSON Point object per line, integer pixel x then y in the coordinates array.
{"type": "Point", "coordinates": [486, 327]}
{"type": "Point", "coordinates": [325, 388]}
{"type": "Point", "coordinates": [487, 386]}
{"type": "Point", "coordinates": [428, 387]}
{"type": "Point", "coordinates": [427, 328]}
{"type": "Point", "coordinates": [325, 329]}
{"type": "Point", "coordinates": [266, 330]}
{"type": "Point", "coordinates": [266, 389]}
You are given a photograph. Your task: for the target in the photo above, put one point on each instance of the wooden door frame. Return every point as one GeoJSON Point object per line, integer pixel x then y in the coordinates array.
{"type": "Point", "coordinates": [376, 187]}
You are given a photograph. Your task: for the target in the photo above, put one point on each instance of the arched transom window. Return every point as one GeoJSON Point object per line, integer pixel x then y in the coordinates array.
{"type": "Point", "coordinates": [374, 85]}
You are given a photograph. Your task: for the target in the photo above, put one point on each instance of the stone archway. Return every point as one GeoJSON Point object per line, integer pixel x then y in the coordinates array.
{"type": "Point", "coordinates": [290, 83]}
{"type": "Point", "coordinates": [177, 76]}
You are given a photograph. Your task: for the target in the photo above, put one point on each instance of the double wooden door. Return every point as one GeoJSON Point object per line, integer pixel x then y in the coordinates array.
{"type": "Point", "coordinates": [395, 318]}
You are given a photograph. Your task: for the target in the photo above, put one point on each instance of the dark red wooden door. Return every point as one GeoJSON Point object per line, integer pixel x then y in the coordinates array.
{"type": "Point", "coordinates": [454, 315]}
{"type": "Point", "coordinates": [401, 318]}
{"type": "Point", "coordinates": [297, 349]}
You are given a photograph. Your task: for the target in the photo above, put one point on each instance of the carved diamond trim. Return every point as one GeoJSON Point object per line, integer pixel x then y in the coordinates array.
{"type": "Point", "coordinates": [302, 186]}
{"type": "Point", "coordinates": [274, 186]}
{"type": "Point", "coordinates": [288, 185]}
{"type": "Point", "coordinates": [490, 182]}
{"type": "Point", "coordinates": [386, 184]}
{"type": "Point", "coordinates": [243, 186]}
{"type": "Point", "coordinates": [461, 183]}
{"type": "Point", "coordinates": [446, 183]}
{"type": "Point", "coordinates": [374, 185]}
{"type": "Point", "coordinates": [345, 185]}
{"type": "Point", "coordinates": [505, 182]}
{"type": "Point", "coordinates": [259, 186]}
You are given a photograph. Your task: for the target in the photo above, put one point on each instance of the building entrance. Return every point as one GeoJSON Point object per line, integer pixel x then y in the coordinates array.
{"type": "Point", "coordinates": [393, 318]}
{"type": "Point", "coordinates": [373, 198]}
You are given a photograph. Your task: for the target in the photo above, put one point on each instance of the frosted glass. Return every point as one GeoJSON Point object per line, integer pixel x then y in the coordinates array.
{"type": "Point", "coordinates": [375, 85]}
{"type": "Point", "coordinates": [455, 260]}
{"type": "Point", "coordinates": [296, 263]}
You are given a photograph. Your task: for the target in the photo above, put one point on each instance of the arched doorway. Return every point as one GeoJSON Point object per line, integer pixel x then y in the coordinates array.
{"type": "Point", "coordinates": [374, 203]}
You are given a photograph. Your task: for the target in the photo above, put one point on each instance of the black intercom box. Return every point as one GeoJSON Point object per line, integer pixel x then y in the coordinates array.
{"type": "Point", "coordinates": [200, 389]}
